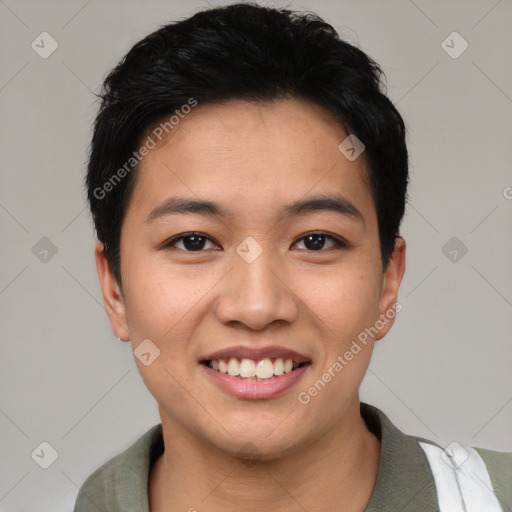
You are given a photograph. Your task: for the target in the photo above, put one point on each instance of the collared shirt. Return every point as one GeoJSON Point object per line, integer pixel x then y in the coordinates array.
{"type": "Point", "coordinates": [414, 475]}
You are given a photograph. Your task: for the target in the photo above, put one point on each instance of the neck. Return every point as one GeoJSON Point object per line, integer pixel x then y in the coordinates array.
{"type": "Point", "coordinates": [336, 472]}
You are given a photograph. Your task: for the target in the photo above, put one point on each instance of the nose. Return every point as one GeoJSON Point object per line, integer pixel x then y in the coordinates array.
{"type": "Point", "coordinates": [256, 294]}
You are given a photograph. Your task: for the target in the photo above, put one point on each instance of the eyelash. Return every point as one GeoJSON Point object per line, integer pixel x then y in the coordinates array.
{"type": "Point", "coordinates": [338, 243]}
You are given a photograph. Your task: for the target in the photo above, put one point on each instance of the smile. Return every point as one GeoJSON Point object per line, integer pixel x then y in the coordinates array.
{"type": "Point", "coordinates": [260, 369]}
{"type": "Point", "coordinates": [255, 373]}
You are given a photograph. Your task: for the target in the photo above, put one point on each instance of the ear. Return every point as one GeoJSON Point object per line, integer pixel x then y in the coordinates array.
{"type": "Point", "coordinates": [113, 298]}
{"type": "Point", "coordinates": [390, 285]}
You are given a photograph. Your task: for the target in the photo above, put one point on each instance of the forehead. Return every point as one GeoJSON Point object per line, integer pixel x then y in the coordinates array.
{"type": "Point", "coordinates": [251, 157]}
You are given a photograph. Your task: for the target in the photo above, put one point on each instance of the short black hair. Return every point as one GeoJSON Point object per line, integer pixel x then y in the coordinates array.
{"type": "Point", "coordinates": [254, 53]}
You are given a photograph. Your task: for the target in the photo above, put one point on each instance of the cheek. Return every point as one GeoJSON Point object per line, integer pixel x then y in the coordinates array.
{"type": "Point", "coordinates": [343, 309]}
{"type": "Point", "coordinates": [344, 300]}
{"type": "Point", "coordinates": [160, 308]}
{"type": "Point", "coordinates": [159, 298]}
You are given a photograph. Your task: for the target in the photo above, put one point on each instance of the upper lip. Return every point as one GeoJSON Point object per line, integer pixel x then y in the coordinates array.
{"type": "Point", "coordinates": [257, 354]}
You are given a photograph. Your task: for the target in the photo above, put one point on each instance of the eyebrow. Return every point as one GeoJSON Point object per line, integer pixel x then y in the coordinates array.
{"type": "Point", "coordinates": [184, 205]}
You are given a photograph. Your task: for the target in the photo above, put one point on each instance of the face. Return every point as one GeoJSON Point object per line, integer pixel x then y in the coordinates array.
{"type": "Point", "coordinates": [249, 277]}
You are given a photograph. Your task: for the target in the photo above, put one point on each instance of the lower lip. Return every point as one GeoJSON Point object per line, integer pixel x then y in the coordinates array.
{"type": "Point", "coordinates": [256, 389]}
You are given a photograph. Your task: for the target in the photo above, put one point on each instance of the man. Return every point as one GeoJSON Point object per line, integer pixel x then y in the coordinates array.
{"type": "Point", "coordinates": [247, 180]}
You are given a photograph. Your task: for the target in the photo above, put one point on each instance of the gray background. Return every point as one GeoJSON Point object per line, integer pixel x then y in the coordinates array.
{"type": "Point", "coordinates": [444, 370]}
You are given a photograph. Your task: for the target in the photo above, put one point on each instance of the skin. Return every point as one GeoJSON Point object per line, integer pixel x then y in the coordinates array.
{"type": "Point", "coordinates": [314, 301]}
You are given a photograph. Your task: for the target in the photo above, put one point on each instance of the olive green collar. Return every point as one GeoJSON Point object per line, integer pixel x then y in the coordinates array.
{"type": "Point", "coordinates": [404, 480]}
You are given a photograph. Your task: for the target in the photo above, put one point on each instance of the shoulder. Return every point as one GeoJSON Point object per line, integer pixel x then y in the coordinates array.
{"type": "Point", "coordinates": [500, 462]}
{"type": "Point", "coordinates": [121, 482]}
{"type": "Point", "coordinates": [481, 476]}
{"type": "Point", "coordinates": [499, 466]}
{"type": "Point", "coordinates": [432, 477]}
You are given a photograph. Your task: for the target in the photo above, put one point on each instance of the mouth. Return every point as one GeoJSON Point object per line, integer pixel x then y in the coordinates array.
{"type": "Point", "coordinates": [255, 373]}
{"type": "Point", "coordinates": [254, 369]}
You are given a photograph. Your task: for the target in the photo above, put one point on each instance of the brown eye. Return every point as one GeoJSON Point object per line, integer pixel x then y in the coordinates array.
{"type": "Point", "coordinates": [197, 242]}
{"type": "Point", "coordinates": [317, 241]}
{"type": "Point", "coordinates": [191, 242]}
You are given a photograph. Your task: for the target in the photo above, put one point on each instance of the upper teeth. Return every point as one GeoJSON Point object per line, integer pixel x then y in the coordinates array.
{"type": "Point", "coordinates": [247, 368]}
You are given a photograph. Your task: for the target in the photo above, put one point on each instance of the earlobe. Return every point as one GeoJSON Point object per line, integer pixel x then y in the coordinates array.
{"type": "Point", "coordinates": [113, 299]}
{"type": "Point", "coordinates": [390, 286]}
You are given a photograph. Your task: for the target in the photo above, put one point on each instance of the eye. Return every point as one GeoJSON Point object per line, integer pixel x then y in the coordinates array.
{"type": "Point", "coordinates": [316, 241]}
{"type": "Point", "coordinates": [195, 242]}
{"type": "Point", "coordinates": [191, 242]}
